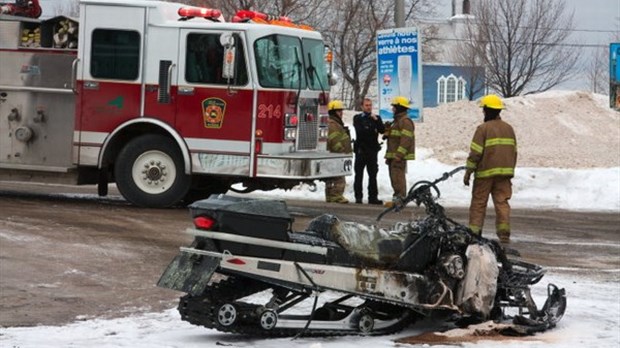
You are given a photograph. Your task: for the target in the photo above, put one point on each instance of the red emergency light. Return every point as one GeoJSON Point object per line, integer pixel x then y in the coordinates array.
{"type": "Point", "coordinates": [188, 12]}
{"type": "Point", "coordinates": [291, 120]}
{"type": "Point", "coordinates": [262, 18]}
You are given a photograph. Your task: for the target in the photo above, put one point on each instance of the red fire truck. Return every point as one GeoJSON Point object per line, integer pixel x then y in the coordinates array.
{"type": "Point", "coordinates": [168, 101]}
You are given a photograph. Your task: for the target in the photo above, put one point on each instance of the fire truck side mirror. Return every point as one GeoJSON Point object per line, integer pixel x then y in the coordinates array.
{"type": "Point", "coordinates": [329, 60]}
{"type": "Point", "coordinates": [230, 54]}
{"type": "Point", "coordinates": [228, 70]}
{"type": "Point", "coordinates": [333, 78]}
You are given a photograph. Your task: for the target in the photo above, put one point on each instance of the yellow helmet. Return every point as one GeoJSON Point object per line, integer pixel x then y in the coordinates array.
{"type": "Point", "coordinates": [491, 101]}
{"type": "Point", "coordinates": [335, 105]}
{"type": "Point", "coordinates": [400, 100]}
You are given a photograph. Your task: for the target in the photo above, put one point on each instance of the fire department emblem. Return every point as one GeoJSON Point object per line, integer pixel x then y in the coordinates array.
{"type": "Point", "coordinates": [213, 110]}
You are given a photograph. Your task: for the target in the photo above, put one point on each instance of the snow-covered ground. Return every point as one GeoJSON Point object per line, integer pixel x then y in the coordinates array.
{"type": "Point", "coordinates": [596, 189]}
{"type": "Point", "coordinates": [592, 318]}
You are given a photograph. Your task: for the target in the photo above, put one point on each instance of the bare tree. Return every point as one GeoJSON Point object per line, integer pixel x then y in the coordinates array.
{"type": "Point", "coordinates": [430, 42]}
{"type": "Point", "coordinates": [468, 55]}
{"type": "Point", "coordinates": [353, 32]}
{"type": "Point", "coordinates": [597, 71]}
{"type": "Point", "coordinates": [353, 39]}
{"type": "Point", "coordinates": [525, 44]}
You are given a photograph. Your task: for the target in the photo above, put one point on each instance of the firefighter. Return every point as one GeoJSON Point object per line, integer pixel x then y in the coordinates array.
{"type": "Point", "coordinates": [368, 126]}
{"type": "Point", "coordinates": [492, 160]}
{"type": "Point", "coordinates": [400, 148]}
{"type": "Point", "coordinates": [339, 141]}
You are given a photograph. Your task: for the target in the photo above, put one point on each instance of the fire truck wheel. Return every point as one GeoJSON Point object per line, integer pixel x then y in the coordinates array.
{"type": "Point", "coordinates": [149, 172]}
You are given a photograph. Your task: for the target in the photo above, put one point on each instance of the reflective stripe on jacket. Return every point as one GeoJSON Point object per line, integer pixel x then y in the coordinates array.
{"type": "Point", "coordinates": [493, 150]}
{"type": "Point", "coordinates": [401, 138]}
{"type": "Point", "coordinates": [338, 139]}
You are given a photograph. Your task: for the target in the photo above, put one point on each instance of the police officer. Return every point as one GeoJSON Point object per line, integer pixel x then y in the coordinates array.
{"type": "Point", "coordinates": [368, 126]}
{"type": "Point", "coordinates": [338, 141]}
{"type": "Point", "coordinates": [400, 148]}
{"type": "Point", "coordinates": [492, 160]}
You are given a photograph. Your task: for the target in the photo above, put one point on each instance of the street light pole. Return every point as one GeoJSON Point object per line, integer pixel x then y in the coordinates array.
{"type": "Point", "coordinates": [399, 13]}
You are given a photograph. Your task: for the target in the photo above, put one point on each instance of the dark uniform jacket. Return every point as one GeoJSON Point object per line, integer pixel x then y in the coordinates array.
{"type": "Point", "coordinates": [338, 139]}
{"type": "Point", "coordinates": [493, 150]}
{"type": "Point", "coordinates": [366, 132]}
{"type": "Point", "coordinates": [401, 138]}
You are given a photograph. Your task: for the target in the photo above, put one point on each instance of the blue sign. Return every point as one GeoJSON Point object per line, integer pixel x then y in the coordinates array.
{"type": "Point", "coordinates": [614, 76]}
{"type": "Point", "coordinates": [399, 70]}
{"type": "Point", "coordinates": [614, 60]}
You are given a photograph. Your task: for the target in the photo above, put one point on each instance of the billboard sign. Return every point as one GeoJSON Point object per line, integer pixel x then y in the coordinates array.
{"type": "Point", "coordinates": [399, 70]}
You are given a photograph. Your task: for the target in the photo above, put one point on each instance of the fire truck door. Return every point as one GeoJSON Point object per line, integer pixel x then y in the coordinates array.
{"type": "Point", "coordinates": [162, 69]}
{"type": "Point", "coordinates": [110, 76]}
{"type": "Point", "coordinates": [214, 113]}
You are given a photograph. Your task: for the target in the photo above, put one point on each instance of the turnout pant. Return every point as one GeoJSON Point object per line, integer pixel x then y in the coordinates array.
{"type": "Point", "coordinates": [500, 189]}
{"type": "Point", "coordinates": [368, 160]}
{"type": "Point", "coordinates": [398, 171]}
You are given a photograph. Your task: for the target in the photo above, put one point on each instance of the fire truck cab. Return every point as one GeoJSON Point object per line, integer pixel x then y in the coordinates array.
{"type": "Point", "coordinates": [168, 101]}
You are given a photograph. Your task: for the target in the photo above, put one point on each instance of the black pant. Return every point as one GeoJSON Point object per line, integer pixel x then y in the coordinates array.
{"type": "Point", "coordinates": [366, 159]}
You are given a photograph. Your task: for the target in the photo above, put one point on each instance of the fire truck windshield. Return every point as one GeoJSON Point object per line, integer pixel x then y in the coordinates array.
{"type": "Point", "coordinates": [287, 62]}
{"type": "Point", "coordinates": [314, 61]}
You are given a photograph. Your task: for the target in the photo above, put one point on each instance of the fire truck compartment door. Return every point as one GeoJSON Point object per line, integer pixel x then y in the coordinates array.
{"type": "Point", "coordinates": [127, 23]}
{"type": "Point", "coordinates": [110, 76]}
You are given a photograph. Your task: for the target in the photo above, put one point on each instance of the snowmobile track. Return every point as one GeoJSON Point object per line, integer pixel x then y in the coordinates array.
{"type": "Point", "coordinates": [204, 310]}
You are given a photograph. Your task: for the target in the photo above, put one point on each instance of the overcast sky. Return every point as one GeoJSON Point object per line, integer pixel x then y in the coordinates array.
{"type": "Point", "coordinates": [597, 15]}
{"type": "Point", "coordinates": [596, 22]}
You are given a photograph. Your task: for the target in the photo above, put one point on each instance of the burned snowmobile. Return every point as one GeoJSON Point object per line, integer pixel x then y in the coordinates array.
{"type": "Point", "coordinates": [396, 275]}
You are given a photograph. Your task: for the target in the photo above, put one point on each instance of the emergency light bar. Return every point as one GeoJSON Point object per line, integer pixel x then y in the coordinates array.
{"type": "Point", "coordinates": [242, 15]}
{"type": "Point", "coordinates": [259, 17]}
{"type": "Point", "coordinates": [189, 12]}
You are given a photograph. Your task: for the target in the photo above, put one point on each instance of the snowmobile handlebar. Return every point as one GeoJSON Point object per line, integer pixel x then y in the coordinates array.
{"type": "Point", "coordinates": [420, 193]}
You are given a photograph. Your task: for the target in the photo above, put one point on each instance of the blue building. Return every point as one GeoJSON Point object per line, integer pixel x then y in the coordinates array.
{"type": "Point", "coordinates": [446, 83]}
{"type": "Point", "coordinates": [443, 80]}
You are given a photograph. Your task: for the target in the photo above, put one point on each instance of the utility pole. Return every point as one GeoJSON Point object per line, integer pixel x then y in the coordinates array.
{"type": "Point", "coordinates": [399, 13]}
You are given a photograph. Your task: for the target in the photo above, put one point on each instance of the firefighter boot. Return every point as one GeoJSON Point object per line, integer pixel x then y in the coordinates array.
{"type": "Point", "coordinates": [338, 199]}
{"type": "Point", "coordinates": [375, 201]}
{"type": "Point", "coordinates": [503, 236]}
{"type": "Point", "coordinates": [475, 229]}
{"type": "Point", "coordinates": [396, 201]}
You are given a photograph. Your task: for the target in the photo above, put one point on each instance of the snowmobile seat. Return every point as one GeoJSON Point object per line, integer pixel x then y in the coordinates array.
{"type": "Point", "coordinates": [366, 245]}
{"type": "Point", "coordinates": [370, 246]}
{"type": "Point", "coordinates": [336, 255]}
